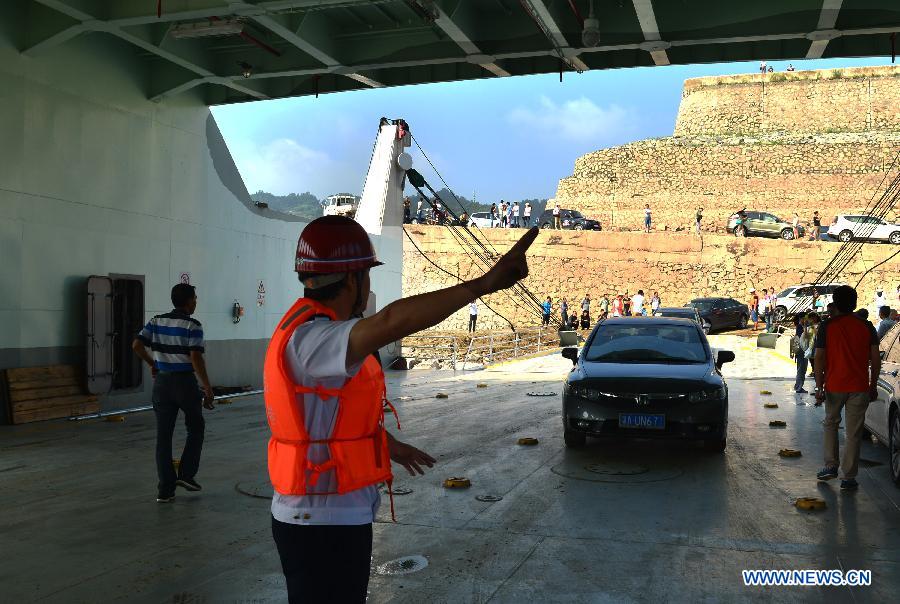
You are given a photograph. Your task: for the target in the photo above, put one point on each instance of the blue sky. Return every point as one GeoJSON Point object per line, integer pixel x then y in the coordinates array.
{"type": "Point", "coordinates": [507, 137]}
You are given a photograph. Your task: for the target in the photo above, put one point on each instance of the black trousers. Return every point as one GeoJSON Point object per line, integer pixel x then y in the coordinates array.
{"type": "Point", "coordinates": [173, 392]}
{"type": "Point", "coordinates": [328, 563]}
{"type": "Point", "coordinates": [472, 320]}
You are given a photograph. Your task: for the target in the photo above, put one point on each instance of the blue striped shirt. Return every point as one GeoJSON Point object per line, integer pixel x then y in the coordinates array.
{"type": "Point", "coordinates": [172, 337]}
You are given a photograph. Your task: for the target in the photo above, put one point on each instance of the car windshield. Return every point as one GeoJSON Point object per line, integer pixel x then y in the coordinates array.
{"type": "Point", "coordinates": [646, 344]}
{"type": "Point", "coordinates": [703, 305]}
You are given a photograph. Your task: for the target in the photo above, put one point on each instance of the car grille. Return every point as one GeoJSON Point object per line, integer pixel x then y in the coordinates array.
{"type": "Point", "coordinates": [639, 397]}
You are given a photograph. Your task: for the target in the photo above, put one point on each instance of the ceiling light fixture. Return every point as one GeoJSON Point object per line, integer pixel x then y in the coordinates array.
{"type": "Point", "coordinates": [207, 29]}
{"type": "Point", "coordinates": [590, 35]}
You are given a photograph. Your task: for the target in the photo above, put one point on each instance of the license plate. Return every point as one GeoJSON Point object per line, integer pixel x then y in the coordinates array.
{"type": "Point", "coordinates": [645, 421]}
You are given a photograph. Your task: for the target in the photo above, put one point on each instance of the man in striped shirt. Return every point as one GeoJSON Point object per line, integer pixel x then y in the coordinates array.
{"type": "Point", "coordinates": [176, 342]}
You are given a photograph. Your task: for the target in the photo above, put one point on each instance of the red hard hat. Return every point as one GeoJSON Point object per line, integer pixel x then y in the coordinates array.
{"type": "Point", "coordinates": [334, 244]}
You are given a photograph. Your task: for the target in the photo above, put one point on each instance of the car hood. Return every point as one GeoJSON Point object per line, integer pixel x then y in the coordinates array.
{"type": "Point", "coordinates": [640, 377]}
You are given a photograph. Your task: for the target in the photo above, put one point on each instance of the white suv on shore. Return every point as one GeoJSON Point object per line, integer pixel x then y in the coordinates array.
{"type": "Point", "coordinates": [799, 299]}
{"type": "Point", "coordinates": [856, 226]}
{"type": "Point", "coordinates": [883, 414]}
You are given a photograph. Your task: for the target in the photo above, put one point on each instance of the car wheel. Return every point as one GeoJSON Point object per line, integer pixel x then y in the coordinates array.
{"type": "Point", "coordinates": [895, 238]}
{"type": "Point", "coordinates": [845, 236]}
{"type": "Point", "coordinates": [579, 227]}
{"type": "Point", "coordinates": [780, 314]}
{"type": "Point", "coordinates": [545, 225]}
{"type": "Point", "coordinates": [787, 234]}
{"type": "Point", "coordinates": [894, 446]}
{"type": "Point", "coordinates": [574, 440]}
{"type": "Point", "coordinates": [740, 231]}
{"type": "Point", "coordinates": [716, 445]}
{"type": "Point", "coordinates": [742, 322]}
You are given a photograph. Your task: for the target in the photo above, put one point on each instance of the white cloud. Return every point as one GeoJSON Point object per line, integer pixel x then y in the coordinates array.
{"type": "Point", "coordinates": [281, 166]}
{"type": "Point", "coordinates": [577, 120]}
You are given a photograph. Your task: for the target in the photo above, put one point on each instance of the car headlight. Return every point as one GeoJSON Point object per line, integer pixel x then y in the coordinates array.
{"type": "Point", "coordinates": [702, 396]}
{"type": "Point", "coordinates": [586, 393]}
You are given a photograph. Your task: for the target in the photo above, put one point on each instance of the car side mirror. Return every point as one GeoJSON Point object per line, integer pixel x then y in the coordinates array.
{"type": "Point", "coordinates": [571, 354]}
{"type": "Point", "coordinates": [724, 356]}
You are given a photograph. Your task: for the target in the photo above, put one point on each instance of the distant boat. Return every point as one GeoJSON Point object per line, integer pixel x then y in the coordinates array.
{"type": "Point", "coordinates": [341, 204]}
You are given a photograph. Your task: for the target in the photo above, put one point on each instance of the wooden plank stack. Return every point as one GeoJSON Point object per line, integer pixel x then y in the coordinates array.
{"type": "Point", "coordinates": [38, 393]}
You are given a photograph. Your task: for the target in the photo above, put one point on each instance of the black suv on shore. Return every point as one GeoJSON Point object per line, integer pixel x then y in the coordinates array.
{"type": "Point", "coordinates": [569, 219]}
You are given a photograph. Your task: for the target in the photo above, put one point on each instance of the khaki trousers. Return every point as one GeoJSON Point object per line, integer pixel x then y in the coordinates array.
{"type": "Point", "coordinates": [856, 404]}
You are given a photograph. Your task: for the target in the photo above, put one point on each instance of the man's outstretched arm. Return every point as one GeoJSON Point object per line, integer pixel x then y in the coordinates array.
{"type": "Point", "coordinates": [410, 315]}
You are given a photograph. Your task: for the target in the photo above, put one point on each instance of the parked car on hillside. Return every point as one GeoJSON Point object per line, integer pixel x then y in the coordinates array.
{"type": "Point", "coordinates": [646, 377]}
{"type": "Point", "coordinates": [799, 299]}
{"type": "Point", "coordinates": [762, 224]}
{"type": "Point", "coordinates": [721, 313]}
{"type": "Point", "coordinates": [864, 228]}
{"type": "Point", "coordinates": [883, 414]}
{"type": "Point", "coordinates": [482, 220]}
{"type": "Point", "coordinates": [683, 312]}
{"type": "Point", "coordinates": [569, 219]}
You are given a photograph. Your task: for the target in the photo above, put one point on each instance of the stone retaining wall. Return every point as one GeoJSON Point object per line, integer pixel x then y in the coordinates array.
{"type": "Point", "coordinates": [829, 100]}
{"type": "Point", "coordinates": [679, 266]}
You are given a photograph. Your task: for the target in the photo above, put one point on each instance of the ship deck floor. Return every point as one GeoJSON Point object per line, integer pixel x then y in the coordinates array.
{"type": "Point", "coordinates": [666, 522]}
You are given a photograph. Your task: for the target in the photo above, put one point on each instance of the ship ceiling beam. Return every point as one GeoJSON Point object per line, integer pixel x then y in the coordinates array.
{"type": "Point", "coordinates": [825, 31]}
{"type": "Point", "coordinates": [650, 29]}
{"type": "Point", "coordinates": [280, 26]}
{"type": "Point", "coordinates": [550, 28]}
{"type": "Point", "coordinates": [134, 37]}
{"type": "Point", "coordinates": [455, 33]}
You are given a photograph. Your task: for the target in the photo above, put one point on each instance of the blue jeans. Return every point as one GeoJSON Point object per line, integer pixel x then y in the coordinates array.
{"type": "Point", "coordinates": [802, 365]}
{"type": "Point", "coordinates": [769, 317]}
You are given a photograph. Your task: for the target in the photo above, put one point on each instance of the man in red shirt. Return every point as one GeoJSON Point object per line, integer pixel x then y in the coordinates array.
{"type": "Point", "coordinates": [847, 364]}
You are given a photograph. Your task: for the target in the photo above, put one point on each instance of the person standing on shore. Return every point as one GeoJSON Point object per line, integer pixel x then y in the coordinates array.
{"type": "Point", "coordinates": [564, 310]}
{"type": "Point", "coordinates": [473, 315]}
{"type": "Point", "coordinates": [647, 218]}
{"type": "Point", "coordinates": [655, 303]}
{"type": "Point", "coordinates": [526, 215]}
{"type": "Point", "coordinates": [604, 306]}
{"type": "Point", "coordinates": [514, 222]}
{"type": "Point", "coordinates": [556, 220]}
{"type": "Point", "coordinates": [586, 305]}
{"type": "Point", "coordinates": [546, 309]}
{"type": "Point", "coordinates": [754, 308]}
{"type": "Point", "coordinates": [699, 219]}
{"type": "Point", "coordinates": [817, 227]}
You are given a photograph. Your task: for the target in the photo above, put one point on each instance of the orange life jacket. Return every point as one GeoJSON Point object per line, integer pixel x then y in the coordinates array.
{"type": "Point", "coordinates": [358, 444]}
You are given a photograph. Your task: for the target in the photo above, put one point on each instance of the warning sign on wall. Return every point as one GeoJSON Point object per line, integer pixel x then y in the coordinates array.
{"type": "Point", "coordinates": [261, 294]}
{"type": "Point", "coordinates": [185, 278]}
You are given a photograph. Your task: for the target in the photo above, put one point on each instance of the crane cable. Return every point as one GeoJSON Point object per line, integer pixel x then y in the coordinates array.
{"type": "Point", "coordinates": [457, 277]}
{"type": "Point", "coordinates": [519, 288]}
{"type": "Point", "coordinates": [485, 262]}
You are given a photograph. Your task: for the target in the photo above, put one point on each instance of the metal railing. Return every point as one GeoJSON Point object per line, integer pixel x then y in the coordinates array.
{"type": "Point", "coordinates": [431, 348]}
{"type": "Point", "coordinates": [496, 347]}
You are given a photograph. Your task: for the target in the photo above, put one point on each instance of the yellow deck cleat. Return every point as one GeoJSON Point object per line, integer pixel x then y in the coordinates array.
{"type": "Point", "coordinates": [457, 482]}
{"type": "Point", "coordinates": [790, 453]}
{"type": "Point", "coordinates": [810, 504]}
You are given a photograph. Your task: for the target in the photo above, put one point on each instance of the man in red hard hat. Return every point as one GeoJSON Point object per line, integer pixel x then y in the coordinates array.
{"type": "Point", "coordinates": [325, 398]}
